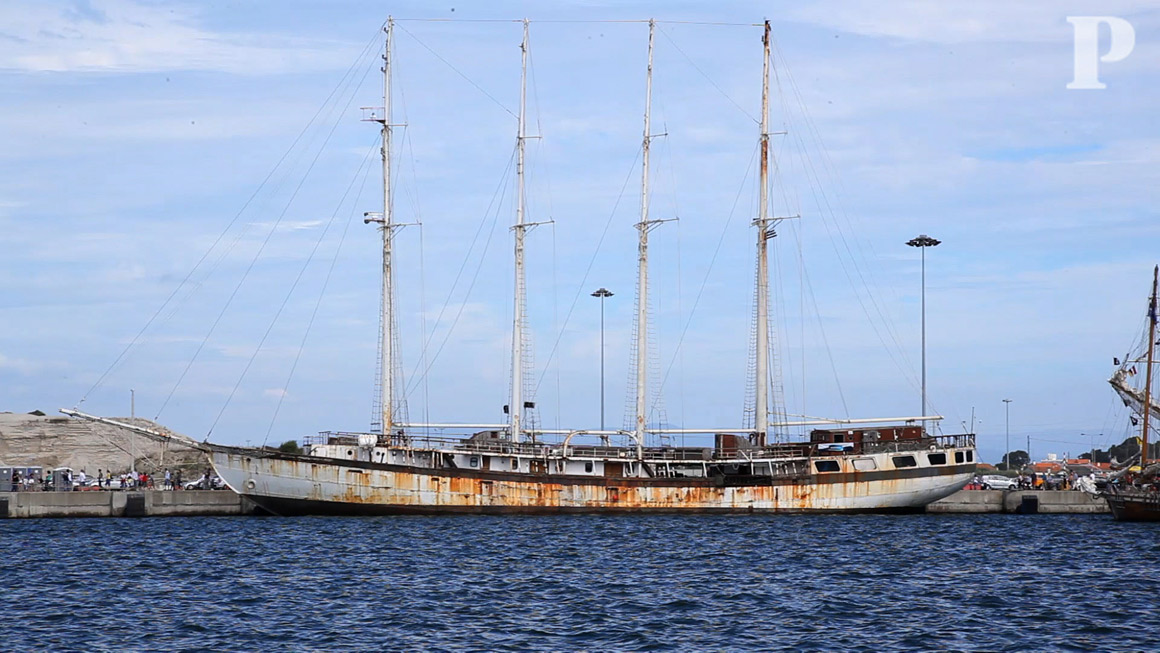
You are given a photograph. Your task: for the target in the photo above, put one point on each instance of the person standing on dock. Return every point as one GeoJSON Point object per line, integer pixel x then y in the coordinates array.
{"type": "Point", "coordinates": [168, 480]}
{"type": "Point", "coordinates": [15, 481]}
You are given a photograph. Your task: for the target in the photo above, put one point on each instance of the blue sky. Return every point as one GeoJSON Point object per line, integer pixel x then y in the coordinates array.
{"type": "Point", "coordinates": [135, 132]}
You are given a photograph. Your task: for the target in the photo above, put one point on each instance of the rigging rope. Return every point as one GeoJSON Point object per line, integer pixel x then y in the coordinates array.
{"type": "Point", "coordinates": [322, 292]}
{"type": "Point", "coordinates": [289, 294]}
{"type": "Point", "coordinates": [591, 261]}
{"type": "Point", "coordinates": [257, 254]}
{"type": "Point", "coordinates": [709, 79]}
{"type": "Point", "coordinates": [136, 338]}
{"type": "Point", "coordinates": [709, 270]}
{"type": "Point", "coordinates": [459, 72]}
{"type": "Point", "coordinates": [496, 201]}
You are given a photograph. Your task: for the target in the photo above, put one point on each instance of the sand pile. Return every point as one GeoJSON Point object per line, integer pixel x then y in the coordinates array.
{"type": "Point", "coordinates": [37, 439]}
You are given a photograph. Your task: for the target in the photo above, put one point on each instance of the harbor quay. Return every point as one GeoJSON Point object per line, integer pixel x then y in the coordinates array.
{"type": "Point", "coordinates": [144, 503]}
{"type": "Point", "coordinates": [203, 503]}
{"type": "Point", "coordinates": [1046, 502]}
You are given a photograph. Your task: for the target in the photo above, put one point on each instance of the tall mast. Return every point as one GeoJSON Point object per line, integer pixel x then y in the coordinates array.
{"type": "Point", "coordinates": [1148, 370]}
{"type": "Point", "coordinates": [642, 264]}
{"type": "Point", "coordinates": [761, 417]}
{"type": "Point", "coordinates": [388, 226]}
{"type": "Point", "coordinates": [515, 408]}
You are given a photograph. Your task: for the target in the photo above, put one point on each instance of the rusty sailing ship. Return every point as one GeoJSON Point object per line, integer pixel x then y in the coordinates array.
{"type": "Point", "coordinates": [872, 465]}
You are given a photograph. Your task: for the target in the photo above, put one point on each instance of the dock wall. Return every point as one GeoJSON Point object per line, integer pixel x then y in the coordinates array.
{"type": "Point", "coordinates": [1020, 502]}
{"type": "Point", "coordinates": [148, 503]}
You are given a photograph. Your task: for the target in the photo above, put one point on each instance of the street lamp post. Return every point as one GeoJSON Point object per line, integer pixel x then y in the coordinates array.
{"type": "Point", "coordinates": [602, 294]}
{"type": "Point", "coordinates": [922, 242]}
{"type": "Point", "coordinates": [1007, 455]}
{"type": "Point", "coordinates": [133, 436]}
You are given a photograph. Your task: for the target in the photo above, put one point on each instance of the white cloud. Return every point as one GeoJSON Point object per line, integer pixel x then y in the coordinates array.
{"type": "Point", "coordinates": [288, 225]}
{"type": "Point", "coordinates": [20, 365]}
{"type": "Point", "coordinates": [128, 36]}
{"type": "Point", "coordinates": [964, 21]}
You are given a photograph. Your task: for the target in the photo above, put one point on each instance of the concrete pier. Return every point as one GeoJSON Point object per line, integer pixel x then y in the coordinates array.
{"type": "Point", "coordinates": [1020, 502]}
{"type": "Point", "coordinates": [147, 503]}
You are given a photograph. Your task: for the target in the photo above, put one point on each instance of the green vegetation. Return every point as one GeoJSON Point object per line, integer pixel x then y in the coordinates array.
{"type": "Point", "coordinates": [290, 446]}
{"type": "Point", "coordinates": [1014, 460]}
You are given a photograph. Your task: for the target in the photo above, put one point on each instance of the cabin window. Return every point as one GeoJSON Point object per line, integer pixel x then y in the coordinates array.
{"type": "Point", "coordinates": [937, 458]}
{"type": "Point", "coordinates": [515, 463]}
{"type": "Point", "coordinates": [827, 466]}
{"type": "Point", "coordinates": [959, 457]}
{"type": "Point", "coordinates": [904, 461]}
{"type": "Point", "coordinates": [970, 456]}
{"type": "Point", "coordinates": [588, 466]}
{"type": "Point", "coordinates": [473, 461]}
{"type": "Point", "coordinates": [349, 452]}
{"type": "Point", "coordinates": [865, 464]}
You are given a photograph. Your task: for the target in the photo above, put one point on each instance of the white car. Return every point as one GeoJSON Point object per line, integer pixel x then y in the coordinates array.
{"type": "Point", "coordinates": [215, 483]}
{"type": "Point", "coordinates": [998, 482]}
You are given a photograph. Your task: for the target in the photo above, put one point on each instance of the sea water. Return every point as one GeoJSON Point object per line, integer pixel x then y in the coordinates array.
{"type": "Point", "coordinates": [584, 582]}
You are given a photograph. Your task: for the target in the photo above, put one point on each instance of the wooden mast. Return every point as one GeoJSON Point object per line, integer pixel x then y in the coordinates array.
{"type": "Point", "coordinates": [1148, 369]}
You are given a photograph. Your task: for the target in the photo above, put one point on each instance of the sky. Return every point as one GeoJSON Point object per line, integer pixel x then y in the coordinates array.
{"type": "Point", "coordinates": [182, 186]}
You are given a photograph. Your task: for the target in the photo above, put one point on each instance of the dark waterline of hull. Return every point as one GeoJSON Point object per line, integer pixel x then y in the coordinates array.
{"type": "Point", "coordinates": [305, 507]}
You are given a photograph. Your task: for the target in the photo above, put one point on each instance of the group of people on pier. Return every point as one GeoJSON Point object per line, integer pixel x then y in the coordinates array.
{"type": "Point", "coordinates": [64, 480]}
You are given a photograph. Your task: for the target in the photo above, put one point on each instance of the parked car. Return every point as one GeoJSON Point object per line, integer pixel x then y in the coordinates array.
{"type": "Point", "coordinates": [215, 483]}
{"type": "Point", "coordinates": [998, 482]}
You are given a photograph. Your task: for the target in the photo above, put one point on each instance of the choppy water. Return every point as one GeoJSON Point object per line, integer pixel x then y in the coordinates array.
{"type": "Point", "coordinates": [872, 583]}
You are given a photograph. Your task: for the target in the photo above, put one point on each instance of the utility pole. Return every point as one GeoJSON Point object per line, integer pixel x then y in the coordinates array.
{"type": "Point", "coordinates": [922, 242]}
{"type": "Point", "coordinates": [133, 437]}
{"type": "Point", "coordinates": [602, 294]}
{"type": "Point", "coordinates": [1007, 454]}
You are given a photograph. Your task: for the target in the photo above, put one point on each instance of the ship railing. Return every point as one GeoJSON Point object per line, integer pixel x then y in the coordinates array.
{"type": "Point", "coordinates": [930, 442]}
{"type": "Point", "coordinates": [659, 454]}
